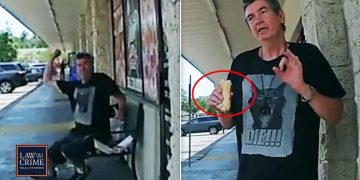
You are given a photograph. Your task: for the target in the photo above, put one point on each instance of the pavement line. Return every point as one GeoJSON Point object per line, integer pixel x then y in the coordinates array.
{"type": "Point", "coordinates": [31, 128]}
{"type": "Point", "coordinates": [221, 156]}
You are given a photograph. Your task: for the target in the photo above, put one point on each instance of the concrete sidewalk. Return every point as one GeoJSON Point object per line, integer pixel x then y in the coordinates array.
{"type": "Point", "coordinates": [218, 161]}
{"type": "Point", "coordinates": [42, 117]}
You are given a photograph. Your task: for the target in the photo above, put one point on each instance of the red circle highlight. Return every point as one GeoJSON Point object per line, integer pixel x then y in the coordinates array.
{"type": "Point", "coordinates": [224, 115]}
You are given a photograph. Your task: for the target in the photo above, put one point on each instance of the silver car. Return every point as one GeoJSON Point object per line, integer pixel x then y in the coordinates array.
{"type": "Point", "coordinates": [201, 124]}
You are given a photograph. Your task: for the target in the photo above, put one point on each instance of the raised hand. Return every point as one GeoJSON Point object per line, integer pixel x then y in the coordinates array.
{"type": "Point", "coordinates": [290, 70]}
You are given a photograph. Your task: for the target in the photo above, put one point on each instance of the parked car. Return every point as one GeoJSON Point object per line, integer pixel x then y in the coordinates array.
{"type": "Point", "coordinates": [201, 124]}
{"type": "Point", "coordinates": [12, 75]}
{"type": "Point", "coordinates": [35, 72]}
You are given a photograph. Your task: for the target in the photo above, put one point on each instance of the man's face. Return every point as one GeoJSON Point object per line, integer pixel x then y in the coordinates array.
{"type": "Point", "coordinates": [84, 67]}
{"type": "Point", "coordinates": [264, 23]}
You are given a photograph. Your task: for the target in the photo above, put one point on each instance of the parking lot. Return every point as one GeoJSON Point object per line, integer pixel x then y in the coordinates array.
{"type": "Point", "coordinates": [199, 141]}
{"type": "Point", "coordinates": [6, 99]}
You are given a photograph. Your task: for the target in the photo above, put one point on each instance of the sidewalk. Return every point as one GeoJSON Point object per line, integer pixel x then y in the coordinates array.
{"type": "Point", "coordinates": [42, 117]}
{"type": "Point", "coordinates": [218, 161]}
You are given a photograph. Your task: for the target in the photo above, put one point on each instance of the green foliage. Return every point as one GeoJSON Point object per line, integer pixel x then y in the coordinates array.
{"type": "Point", "coordinates": [42, 54]}
{"type": "Point", "coordinates": [9, 45]}
{"type": "Point", "coordinates": [28, 42]}
{"type": "Point", "coordinates": [201, 101]}
{"type": "Point", "coordinates": [7, 49]}
{"type": "Point", "coordinates": [185, 103]}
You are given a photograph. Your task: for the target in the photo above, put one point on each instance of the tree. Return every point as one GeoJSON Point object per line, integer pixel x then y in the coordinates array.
{"type": "Point", "coordinates": [24, 36]}
{"type": "Point", "coordinates": [7, 48]}
{"type": "Point", "coordinates": [201, 101]}
{"type": "Point", "coordinates": [185, 103]}
{"type": "Point", "coordinates": [36, 42]}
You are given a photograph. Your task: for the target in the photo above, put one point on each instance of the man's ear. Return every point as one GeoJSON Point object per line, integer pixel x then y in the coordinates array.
{"type": "Point", "coordinates": [282, 16]}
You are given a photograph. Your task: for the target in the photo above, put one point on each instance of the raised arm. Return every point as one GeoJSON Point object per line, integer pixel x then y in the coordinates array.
{"type": "Point", "coordinates": [48, 73]}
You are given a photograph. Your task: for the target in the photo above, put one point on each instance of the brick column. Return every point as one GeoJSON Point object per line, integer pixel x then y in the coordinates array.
{"type": "Point", "coordinates": [324, 26]}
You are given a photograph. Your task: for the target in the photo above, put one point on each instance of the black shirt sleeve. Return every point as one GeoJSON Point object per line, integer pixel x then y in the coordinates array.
{"type": "Point", "coordinates": [66, 87]}
{"type": "Point", "coordinates": [236, 87]}
{"type": "Point", "coordinates": [322, 77]}
{"type": "Point", "coordinates": [111, 86]}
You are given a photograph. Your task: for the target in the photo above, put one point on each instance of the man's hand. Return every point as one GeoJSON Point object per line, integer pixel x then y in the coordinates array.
{"type": "Point", "coordinates": [214, 100]}
{"type": "Point", "coordinates": [290, 71]}
{"type": "Point", "coordinates": [48, 73]}
{"type": "Point", "coordinates": [217, 98]}
{"type": "Point", "coordinates": [120, 115]}
{"type": "Point", "coordinates": [121, 102]}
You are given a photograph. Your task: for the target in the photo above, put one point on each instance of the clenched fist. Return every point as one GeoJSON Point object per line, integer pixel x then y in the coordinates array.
{"type": "Point", "coordinates": [220, 97]}
{"type": "Point", "coordinates": [56, 54]}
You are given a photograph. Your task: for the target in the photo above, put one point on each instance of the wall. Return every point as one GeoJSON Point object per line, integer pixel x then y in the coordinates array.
{"type": "Point", "coordinates": [171, 25]}
{"type": "Point", "coordinates": [95, 36]}
{"type": "Point", "coordinates": [324, 26]}
{"type": "Point", "coordinates": [352, 22]}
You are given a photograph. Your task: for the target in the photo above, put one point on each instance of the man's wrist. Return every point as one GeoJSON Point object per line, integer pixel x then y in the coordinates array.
{"type": "Point", "coordinates": [306, 92]}
{"type": "Point", "coordinates": [221, 112]}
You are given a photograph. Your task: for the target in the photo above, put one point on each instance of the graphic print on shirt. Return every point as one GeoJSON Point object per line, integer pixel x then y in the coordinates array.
{"type": "Point", "coordinates": [268, 106]}
{"type": "Point", "coordinates": [84, 102]}
{"type": "Point", "coordinates": [268, 126]}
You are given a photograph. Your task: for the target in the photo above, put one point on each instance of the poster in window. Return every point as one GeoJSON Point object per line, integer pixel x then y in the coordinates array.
{"type": "Point", "coordinates": [150, 49]}
{"type": "Point", "coordinates": [119, 54]}
{"type": "Point", "coordinates": [133, 46]}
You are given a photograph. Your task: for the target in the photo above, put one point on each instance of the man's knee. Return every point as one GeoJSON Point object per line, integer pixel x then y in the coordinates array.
{"type": "Point", "coordinates": [55, 155]}
{"type": "Point", "coordinates": [73, 150]}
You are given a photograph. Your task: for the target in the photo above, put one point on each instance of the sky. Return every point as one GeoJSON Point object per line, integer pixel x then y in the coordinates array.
{"type": "Point", "coordinates": [7, 20]}
{"type": "Point", "coordinates": [203, 88]}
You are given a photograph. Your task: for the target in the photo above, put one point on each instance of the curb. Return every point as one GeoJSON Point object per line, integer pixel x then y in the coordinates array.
{"type": "Point", "coordinates": [201, 154]}
{"type": "Point", "coordinates": [12, 104]}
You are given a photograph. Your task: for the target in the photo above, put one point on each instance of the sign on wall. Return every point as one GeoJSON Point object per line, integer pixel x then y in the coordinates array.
{"type": "Point", "coordinates": [118, 29]}
{"type": "Point", "coordinates": [133, 46]}
{"type": "Point", "coordinates": [150, 49]}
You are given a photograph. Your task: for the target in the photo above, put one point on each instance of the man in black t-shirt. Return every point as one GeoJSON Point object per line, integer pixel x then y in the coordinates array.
{"type": "Point", "coordinates": [278, 136]}
{"type": "Point", "coordinates": [90, 102]}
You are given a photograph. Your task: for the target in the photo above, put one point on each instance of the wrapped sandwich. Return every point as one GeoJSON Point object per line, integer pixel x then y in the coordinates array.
{"type": "Point", "coordinates": [226, 91]}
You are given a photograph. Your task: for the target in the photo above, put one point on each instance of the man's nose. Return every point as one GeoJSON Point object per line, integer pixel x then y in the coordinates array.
{"type": "Point", "coordinates": [258, 21]}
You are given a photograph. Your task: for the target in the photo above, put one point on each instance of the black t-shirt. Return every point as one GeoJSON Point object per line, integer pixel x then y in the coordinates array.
{"type": "Point", "coordinates": [90, 103]}
{"type": "Point", "coordinates": [278, 136]}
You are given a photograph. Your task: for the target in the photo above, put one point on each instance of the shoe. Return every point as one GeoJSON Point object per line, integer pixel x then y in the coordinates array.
{"type": "Point", "coordinates": [79, 176]}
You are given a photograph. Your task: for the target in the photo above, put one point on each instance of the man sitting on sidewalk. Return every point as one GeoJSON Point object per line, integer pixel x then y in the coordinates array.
{"type": "Point", "coordinates": [89, 99]}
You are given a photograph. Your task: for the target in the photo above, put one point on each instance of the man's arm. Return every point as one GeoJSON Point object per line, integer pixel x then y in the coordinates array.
{"type": "Point", "coordinates": [330, 109]}
{"type": "Point", "coordinates": [215, 99]}
{"type": "Point", "coordinates": [227, 123]}
{"type": "Point", "coordinates": [48, 73]}
{"type": "Point", "coordinates": [121, 101]}
{"type": "Point", "coordinates": [325, 107]}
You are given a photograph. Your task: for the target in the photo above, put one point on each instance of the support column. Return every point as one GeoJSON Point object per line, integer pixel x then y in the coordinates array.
{"type": "Point", "coordinates": [88, 27]}
{"type": "Point", "coordinates": [101, 36]}
{"type": "Point", "coordinates": [170, 10]}
{"type": "Point", "coordinates": [352, 16]}
{"type": "Point", "coordinates": [324, 26]}
{"type": "Point", "coordinates": [82, 33]}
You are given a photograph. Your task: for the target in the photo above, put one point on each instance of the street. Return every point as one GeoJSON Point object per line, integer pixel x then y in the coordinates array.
{"type": "Point", "coordinates": [199, 141]}
{"type": "Point", "coordinates": [6, 99]}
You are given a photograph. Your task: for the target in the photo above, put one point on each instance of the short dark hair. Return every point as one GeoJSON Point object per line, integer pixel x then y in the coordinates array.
{"type": "Point", "coordinates": [82, 55]}
{"type": "Point", "coordinates": [274, 4]}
